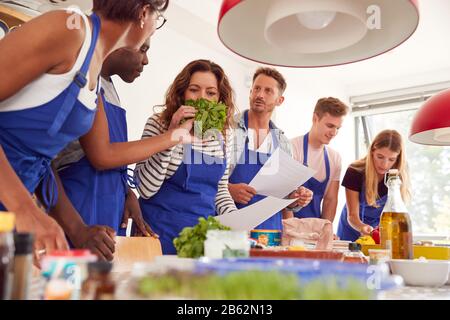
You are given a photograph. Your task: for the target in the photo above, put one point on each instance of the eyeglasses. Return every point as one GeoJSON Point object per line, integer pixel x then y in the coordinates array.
{"type": "Point", "coordinates": [160, 20]}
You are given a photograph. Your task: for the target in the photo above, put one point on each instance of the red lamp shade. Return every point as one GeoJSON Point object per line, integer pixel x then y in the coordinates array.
{"type": "Point", "coordinates": [431, 124]}
{"type": "Point", "coordinates": [315, 33]}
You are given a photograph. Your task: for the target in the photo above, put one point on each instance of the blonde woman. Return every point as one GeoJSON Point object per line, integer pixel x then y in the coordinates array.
{"type": "Point", "coordinates": [365, 190]}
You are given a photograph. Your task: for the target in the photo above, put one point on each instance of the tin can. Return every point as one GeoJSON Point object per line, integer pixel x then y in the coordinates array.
{"type": "Point", "coordinates": [269, 238]}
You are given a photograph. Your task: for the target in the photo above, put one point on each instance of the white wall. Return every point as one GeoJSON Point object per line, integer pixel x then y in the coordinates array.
{"type": "Point", "coordinates": [304, 88]}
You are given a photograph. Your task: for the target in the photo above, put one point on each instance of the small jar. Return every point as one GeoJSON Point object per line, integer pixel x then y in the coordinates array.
{"type": "Point", "coordinates": [354, 255]}
{"type": "Point", "coordinates": [68, 265]}
{"type": "Point", "coordinates": [225, 244]}
{"type": "Point", "coordinates": [379, 256]}
{"type": "Point", "coordinates": [23, 265]}
{"type": "Point", "coordinates": [7, 221]}
{"type": "Point", "coordinates": [99, 284]}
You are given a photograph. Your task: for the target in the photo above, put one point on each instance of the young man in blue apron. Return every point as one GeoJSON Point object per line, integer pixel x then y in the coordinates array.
{"type": "Point", "coordinates": [256, 138]}
{"type": "Point", "coordinates": [312, 150]}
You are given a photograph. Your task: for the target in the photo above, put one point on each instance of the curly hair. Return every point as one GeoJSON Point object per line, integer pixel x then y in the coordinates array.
{"type": "Point", "coordinates": [176, 91]}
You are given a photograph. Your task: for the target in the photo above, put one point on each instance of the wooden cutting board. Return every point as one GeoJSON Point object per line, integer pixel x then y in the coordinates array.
{"type": "Point", "coordinates": [303, 254]}
{"type": "Point", "coordinates": [130, 250]}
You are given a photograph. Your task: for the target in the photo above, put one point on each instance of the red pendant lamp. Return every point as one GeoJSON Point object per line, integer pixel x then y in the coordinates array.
{"type": "Point", "coordinates": [431, 124]}
{"type": "Point", "coordinates": [315, 33]}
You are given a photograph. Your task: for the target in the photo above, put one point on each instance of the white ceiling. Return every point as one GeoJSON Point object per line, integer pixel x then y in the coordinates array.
{"type": "Point", "coordinates": [207, 10]}
{"type": "Point", "coordinates": [426, 51]}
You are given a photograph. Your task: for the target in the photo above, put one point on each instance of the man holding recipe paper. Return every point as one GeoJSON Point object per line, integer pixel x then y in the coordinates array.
{"type": "Point", "coordinates": [256, 140]}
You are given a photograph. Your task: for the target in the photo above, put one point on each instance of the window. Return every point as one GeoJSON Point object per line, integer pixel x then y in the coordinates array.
{"type": "Point", "coordinates": [429, 166]}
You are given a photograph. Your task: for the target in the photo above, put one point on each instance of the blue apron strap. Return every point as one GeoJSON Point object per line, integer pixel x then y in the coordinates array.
{"type": "Point", "coordinates": [49, 188]}
{"type": "Point", "coordinates": [78, 82]}
{"type": "Point", "coordinates": [327, 164]}
{"type": "Point", "coordinates": [276, 143]}
{"type": "Point", "coordinates": [362, 202]}
{"type": "Point", "coordinates": [246, 127]}
{"type": "Point", "coordinates": [129, 179]}
{"type": "Point", "coordinates": [246, 120]}
{"type": "Point", "coordinates": [305, 149]}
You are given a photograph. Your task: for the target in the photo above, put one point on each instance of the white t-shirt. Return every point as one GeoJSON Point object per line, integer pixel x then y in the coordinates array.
{"type": "Point", "coordinates": [316, 160]}
{"type": "Point", "coordinates": [48, 86]}
{"type": "Point", "coordinates": [267, 146]}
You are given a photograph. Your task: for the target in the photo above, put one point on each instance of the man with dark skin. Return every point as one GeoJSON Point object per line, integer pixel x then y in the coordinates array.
{"type": "Point", "coordinates": [88, 169]}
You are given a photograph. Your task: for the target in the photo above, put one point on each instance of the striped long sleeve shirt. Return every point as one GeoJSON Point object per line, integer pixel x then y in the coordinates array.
{"type": "Point", "coordinates": [152, 172]}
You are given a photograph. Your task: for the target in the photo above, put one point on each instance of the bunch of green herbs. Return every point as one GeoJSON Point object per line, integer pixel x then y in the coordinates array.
{"type": "Point", "coordinates": [210, 117]}
{"type": "Point", "coordinates": [190, 241]}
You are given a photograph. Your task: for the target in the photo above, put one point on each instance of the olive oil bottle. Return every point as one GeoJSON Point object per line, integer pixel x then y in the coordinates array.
{"type": "Point", "coordinates": [395, 224]}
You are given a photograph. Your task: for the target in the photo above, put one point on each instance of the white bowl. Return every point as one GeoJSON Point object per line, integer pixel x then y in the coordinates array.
{"type": "Point", "coordinates": [428, 273]}
{"type": "Point", "coordinates": [448, 282]}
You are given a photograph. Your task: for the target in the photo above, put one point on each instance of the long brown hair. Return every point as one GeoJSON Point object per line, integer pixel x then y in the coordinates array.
{"type": "Point", "coordinates": [175, 93]}
{"type": "Point", "coordinates": [392, 140]}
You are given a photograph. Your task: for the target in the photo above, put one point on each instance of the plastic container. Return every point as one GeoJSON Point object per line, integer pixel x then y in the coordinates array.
{"type": "Point", "coordinates": [378, 256]}
{"type": "Point", "coordinates": [226, 244]}
{"type": "Point", "coordinates": [58, 289]}
{"type": "Point", "coordinates": [306, 269]}
{"type": "Point", "coordinates": [69, 266]}
{"type": "Point", "coordinates": [354, 255]}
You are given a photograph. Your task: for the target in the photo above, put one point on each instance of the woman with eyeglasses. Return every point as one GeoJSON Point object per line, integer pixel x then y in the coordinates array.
{"type": "Point", "coordinates": [189, 181]}
{"type": "Point", "coordinates": [93, 170]}
{"type": "Point", "coordinates": [48, 91]}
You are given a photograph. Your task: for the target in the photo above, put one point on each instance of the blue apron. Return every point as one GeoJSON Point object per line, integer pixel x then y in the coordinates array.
{"type": "Point", "coordinates": [368, 214]}
{"type": "Point", "coordinates": [248, 166]}
{"type": "Point", "coordinates": [313, 210]}
{"type": "Point", "coordinates": [32, 137]}
{"type": "Point", "coordinates": [99, 195]}
{"type": "Point", "coordinates": [185, 197]}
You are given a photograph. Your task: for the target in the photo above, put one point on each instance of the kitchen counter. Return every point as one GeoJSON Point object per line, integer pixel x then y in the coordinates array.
{"type": "Point", "coordinates": [403, 293]}
{"type": "Point", "coordinates": [416, 293]}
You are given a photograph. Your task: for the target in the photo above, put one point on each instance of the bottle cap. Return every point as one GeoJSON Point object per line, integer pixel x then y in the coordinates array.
{"type": "Point", "coordinates": [393, 172]}
{"type": "Point", "coordinates": [353, 246]}
{"type": "Point", "coordinates": [74, 253]}
{"type": "Point", "coordinates": [7, 221]}
{"type": "Point", "coordinates": [23, 243]}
